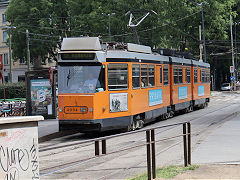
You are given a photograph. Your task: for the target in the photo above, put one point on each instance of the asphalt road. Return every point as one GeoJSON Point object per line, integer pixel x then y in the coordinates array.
{"type": "Point", "coordinates": [47, 126]}
{"type": "Point", "coordinates": [66, 162]}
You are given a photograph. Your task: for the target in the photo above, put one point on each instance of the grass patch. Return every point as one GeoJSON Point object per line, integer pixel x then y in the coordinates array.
{"type": "Point", "coordinates": [167, 172]}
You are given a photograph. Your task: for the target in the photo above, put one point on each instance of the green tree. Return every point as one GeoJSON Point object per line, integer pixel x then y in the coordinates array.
{"type": "Point", "coordinates": [175, 26]}
{"type": "Point", "coordinates": [39, 17]}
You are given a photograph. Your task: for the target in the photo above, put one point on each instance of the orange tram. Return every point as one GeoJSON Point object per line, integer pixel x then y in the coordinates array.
{"type": "Point", "coordinates": [107, 86]}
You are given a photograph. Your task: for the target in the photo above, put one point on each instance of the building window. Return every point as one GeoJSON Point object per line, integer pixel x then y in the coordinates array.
{"type": "Point", "coordinates": [136, 76]}
{"type": "Point", "coordinates": [165, 74]}
{"type": "Point", "coordinates": [6, 79]}
{"type": "Point", "coordinates": [117, 76]}
{"type": "Point", "coordinates": [5, 59]}
{"type": "Point", "coordinates": [21, 78]}
{"type": "Point", "coordinates": [144, 76]}
{"type": "Point", "coordinates": [151, 71]}
{"type": "Point", "coordinates": [22, 60]}
{"type": "Point", "coordinates": [188, 75]}
{"type": "Point", "coordinates": [178, 75]}
{"type": "Point", "coordinates": [43, 60]}
{"type": "Point", "coordinates": [5, 36]}
{"type": "Point", "coordinates": [195, 76]}
{"type": "Point", "coordinates": [3, 18]}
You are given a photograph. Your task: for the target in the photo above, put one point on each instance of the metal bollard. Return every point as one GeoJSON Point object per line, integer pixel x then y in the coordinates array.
{"type": "Point", "coordinates": [189, 142]}
{"type": "Point", "coordinates": [153, 154]}
{"type": "Point", "coordinates": [148, 155]}
{"type": "Point", "coordinates": [104, 147]}
{"type": "Point", "coordinates": [96, 148]}
{"type": "Point", "coordinates": [185, 145]}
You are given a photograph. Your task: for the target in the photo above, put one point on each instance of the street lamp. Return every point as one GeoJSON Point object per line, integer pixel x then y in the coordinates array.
{"type": "Point", "coordinates": [10, 49]}
{"type": "Point", "coordinates": [109, 23]}
{"type": "Point", "coordinates": [202, 4]}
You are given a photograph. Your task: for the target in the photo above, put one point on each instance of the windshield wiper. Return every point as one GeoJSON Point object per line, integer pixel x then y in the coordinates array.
{"type": "Point", "coordinates": [68, 77]}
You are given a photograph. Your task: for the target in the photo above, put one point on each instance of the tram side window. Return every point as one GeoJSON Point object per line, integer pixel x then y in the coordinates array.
{"type": "Point", "coordinates": [208, 76]}
{"type": "Point", "coordinates": [203, 76]}
{"type": "Point", "coordinates": [200, 72]}
{"type": "Point", "coordinates": [188, 75]}
{"type": "Point", "coordinates": [175, 74]}
{"type": "Point", "coordinates": [195, 76]}
{"type": "Point", "coordinates": [144, 76]}
{"type": "Point", "coordinates": [136, 76]}
{"type": "Point", "coordinates": [178, 75]}
{"type": "Point", "coordinates": [165, 74]}
{"type": "Point", "coordinates": [117, 76]}
{"type": "Point", "coordinates": [151, 71]}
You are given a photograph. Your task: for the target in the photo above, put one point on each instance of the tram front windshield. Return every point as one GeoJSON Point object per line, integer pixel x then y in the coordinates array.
{"type": "Point", "coordinates": [81, 79]}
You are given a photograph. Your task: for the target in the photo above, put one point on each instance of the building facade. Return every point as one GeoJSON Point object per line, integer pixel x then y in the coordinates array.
{"type": "Point", "coordinates": [19, 66]}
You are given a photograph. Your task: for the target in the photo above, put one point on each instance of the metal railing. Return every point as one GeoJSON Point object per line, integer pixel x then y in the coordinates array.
{"type": "Point", "coordinates": [150, 144]}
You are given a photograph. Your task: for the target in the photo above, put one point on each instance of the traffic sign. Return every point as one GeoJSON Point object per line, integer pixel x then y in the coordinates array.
{"type": "Point", "coordinates": [231, 69]}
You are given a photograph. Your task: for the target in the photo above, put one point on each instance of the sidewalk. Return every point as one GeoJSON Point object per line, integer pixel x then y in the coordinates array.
{"type": "Point", "coordinates": [218, 155]}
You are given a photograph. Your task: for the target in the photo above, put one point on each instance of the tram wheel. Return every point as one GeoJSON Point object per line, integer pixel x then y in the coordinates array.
{"type": "Point", "coordinates": [206, 104]}
{"type": "Point", "coordinates": [190, 108]}
{"type": "Point", "coordinates": [170, 114]}
{"type": "Point", "coordinates": [139, 124]}
{"type": "Point", "coordinates": [165, 116]}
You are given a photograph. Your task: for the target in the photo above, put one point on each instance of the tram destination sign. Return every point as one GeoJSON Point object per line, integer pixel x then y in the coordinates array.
{"type": "Point", "coordinates": [78, 56]}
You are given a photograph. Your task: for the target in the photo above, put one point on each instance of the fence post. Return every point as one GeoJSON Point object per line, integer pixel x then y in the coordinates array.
{"type": "Point", "coordinates": [148, 155]}
{"type": "Point", "coordinates": [185, 144]}
{"type": "Point", "coordinates": [153, 154]}
{"type": "Point", "coordinates": [104, 147]}
{"type": "Point", "coordinates": [189, 142]}
{"type": "Point", "coordinates": [97, 148]}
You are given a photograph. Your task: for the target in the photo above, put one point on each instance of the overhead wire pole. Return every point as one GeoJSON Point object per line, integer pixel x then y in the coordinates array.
{"type": "Point", "coordinates": [109, 24]}
{"type": "Point", "coordinates": [233, 64]}
{"type": "Point", "coordinates": [235, 29]}
{"type": "Point", "coordinates": [10, 56]}
{"type": "Point", "coordinates": [203, 24]}
{"type": "Point", "coordinates": [10, 50]}
{"type": "Point", "coordinates": [28, 50]}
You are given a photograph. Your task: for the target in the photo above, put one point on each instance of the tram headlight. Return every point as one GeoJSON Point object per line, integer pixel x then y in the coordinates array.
{"type": "Point", "coordinates": [83, 110]}
{"type": "Point", "coordinates": [60, 109]}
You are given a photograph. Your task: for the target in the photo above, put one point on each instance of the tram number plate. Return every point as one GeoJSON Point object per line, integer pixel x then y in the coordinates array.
{"type": "Point", "coordinates": [75, 110]}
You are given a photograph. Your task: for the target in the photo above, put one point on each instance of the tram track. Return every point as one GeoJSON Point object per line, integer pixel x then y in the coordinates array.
{"type": "Point", "coordinates": [81, 162]}
{"type": "Point", "coordinates": [53, 147]}
{"type": "Point", "coordinates": [173, 145]}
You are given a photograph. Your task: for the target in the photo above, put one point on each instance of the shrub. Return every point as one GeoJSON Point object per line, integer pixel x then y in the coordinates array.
{"type": "Point", "coordinates": [13, 90]}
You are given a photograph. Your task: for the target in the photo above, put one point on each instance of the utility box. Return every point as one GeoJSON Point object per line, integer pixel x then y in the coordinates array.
{"type": "Point", "coordinates": [41, 93]}
{"type": "Point", "coordinates": [19, 147]}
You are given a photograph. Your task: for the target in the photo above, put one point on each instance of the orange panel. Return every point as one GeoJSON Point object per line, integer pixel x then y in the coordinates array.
{"type": "Point", "coordinates": [70, 104]}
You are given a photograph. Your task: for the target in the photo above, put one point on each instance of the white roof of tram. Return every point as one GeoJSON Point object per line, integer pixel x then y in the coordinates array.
{"type": "Point", "coordinates": [82, 43]}
{"type": "Point", "coordinates": [133, 51]}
